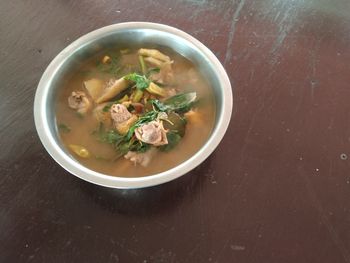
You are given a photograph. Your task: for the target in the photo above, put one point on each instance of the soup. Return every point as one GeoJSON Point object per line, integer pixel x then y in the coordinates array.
{"type": "Point", "coordinates": [135, 112]}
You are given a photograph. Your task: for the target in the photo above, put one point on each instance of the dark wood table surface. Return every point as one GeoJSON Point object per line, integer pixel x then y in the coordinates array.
{"type": "Point", "coordinates": [277, 189]}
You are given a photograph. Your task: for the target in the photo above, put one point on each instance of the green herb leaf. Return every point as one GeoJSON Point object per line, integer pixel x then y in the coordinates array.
{"type": "Point", "coordinates": [159, 105]}
{"type": "Point", "coordinates": [79, 115]}
{"type": "Point", "coordinates": [181, 102]}
{"type": "Point", "coordinates": [121, 143]}
{"type": "Point", "coordinates": [148, 117]}
{"type": "Point", "coordinates": [175, 123]}
{"type": "Point", "coordinates": [152, 71]}
{"type": "Point", "coordinates": [112, 68]}
{"type": "Point", "coordinates": [107, 107]}
{"type": "Point", "coordinates": [173, 139]}
{"type": "Point", "coordinates": [138, 146]}
{"type": "Point", "coordinates": [140, 80]}
{"type": "Point", "coordinates": [64, 128]}
{"type": "Point", "coordinates": [113, 137]}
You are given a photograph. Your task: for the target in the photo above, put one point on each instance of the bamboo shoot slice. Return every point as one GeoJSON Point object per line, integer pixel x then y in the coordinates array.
{"type": "Point", "coordinates": [112, 91]}
{"type": "Point", "coordinates": [154, 53]}
{"type": "Point", "coordinates": [94, 88]}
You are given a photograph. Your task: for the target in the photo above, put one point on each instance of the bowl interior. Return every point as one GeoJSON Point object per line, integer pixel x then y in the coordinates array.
{"type": "Point", "coordinates": [127, 38]}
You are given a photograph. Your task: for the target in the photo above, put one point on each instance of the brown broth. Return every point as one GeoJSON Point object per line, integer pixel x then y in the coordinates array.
{"type": "Point", "coordinates": [81, 128]}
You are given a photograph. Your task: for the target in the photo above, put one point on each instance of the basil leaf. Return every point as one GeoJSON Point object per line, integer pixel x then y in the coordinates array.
{"type": "Point", "coordinates": [181, 102]}
{"type": "Point", "coordinates": [173, 139]}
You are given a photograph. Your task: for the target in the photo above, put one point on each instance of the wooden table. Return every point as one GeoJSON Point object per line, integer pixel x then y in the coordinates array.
{"type": "Point", "coordinates": [277, 189]}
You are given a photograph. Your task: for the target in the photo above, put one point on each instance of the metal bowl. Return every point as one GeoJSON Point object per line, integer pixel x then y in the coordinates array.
{"type": "Point", "coordinates": [125, 33]}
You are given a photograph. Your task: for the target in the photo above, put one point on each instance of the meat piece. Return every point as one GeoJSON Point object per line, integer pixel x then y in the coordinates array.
{"type": "Point", "coordinates": [152, 133]}
{"type": "Point", "coordinates": [141, 158]}
{"type": "Point", "coordinates": [123, 127]}
{"type": "Point", "coordinates": [120, 113]}
{"type": "Point", "coordinates": [79, 101]}
{"type": "Point", "coordinates": [122, 118]}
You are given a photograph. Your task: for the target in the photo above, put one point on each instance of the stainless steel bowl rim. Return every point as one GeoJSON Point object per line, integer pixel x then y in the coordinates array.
{"type": "Point", "coordinates": [89, 175]}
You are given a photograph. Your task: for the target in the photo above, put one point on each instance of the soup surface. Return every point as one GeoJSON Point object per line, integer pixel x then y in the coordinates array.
{"type": "Point", "coordinates": [134, 112]}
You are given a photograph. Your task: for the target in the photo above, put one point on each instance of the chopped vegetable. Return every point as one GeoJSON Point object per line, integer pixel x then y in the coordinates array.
{"type": "Point", "coordinates": [154, 53]}
{"type": "Point", "coordinates": [148, 117]}
{"type": "Point", "coordinates": [152, 71]}
{"type": "Point", "coordinates": [142, 65]}
{"type": "Point", "coordinates": [156, 90]}
{"type": "Point", "coordinates": [154, 61]}
{"type": "Point", "coordinates": [175, 123]}
{"type": "Point", "coordinates": [181, 102]}
{"type": "Point", "coordinates": [137, 95]}
{"type": "Point", "coordinates": [79, 150]}
{"type": "Point", "coordinates": [113, 89]}
{"type": "Point", "coordinates": [106, 60]}
{"type": "Point", "coordinates": [140, 80]}
{"type": "Point", "coordinates": [94, 88]}
{"type": "Point", "coordinates": [79, 115]}
{"type": "Point", "coordinates": [158, 105]}
{"type": "Point", "coordinates": [173, 140]}
{"type": "Point", "coordinates": [64, 128]}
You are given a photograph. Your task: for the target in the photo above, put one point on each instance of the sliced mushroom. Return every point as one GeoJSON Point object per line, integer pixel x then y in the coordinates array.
{"type": "Point", "coordinates": [141, 158]}
{"type": "Point", "coordinates": [79, 101]}
{"type": "Point", "coordinates": [112, 89]}
{"type": "Point", "coordinates": [154, 53]}
{"type": "Point", "coordinates": [152, 133]}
